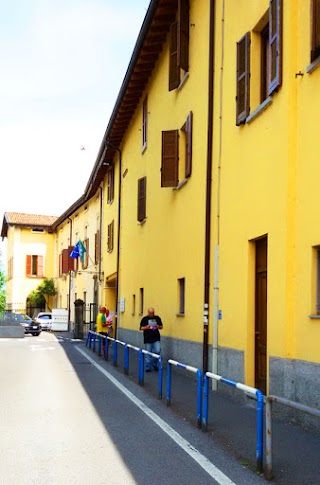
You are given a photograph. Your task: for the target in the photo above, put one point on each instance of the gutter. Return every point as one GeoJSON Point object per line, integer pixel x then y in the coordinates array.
{"type": "Point", "coordinates": [207, 250]}
{"type": "Point", "coordinates": [69, 295]}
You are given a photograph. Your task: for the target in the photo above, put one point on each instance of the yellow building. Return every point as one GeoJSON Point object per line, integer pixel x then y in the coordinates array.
{"type": "Point", "coordinates": [29, 255]}
{"type": "Point", "coordinates": [265, 233]}
{"type": "Point", "coordinates": [201, 202]}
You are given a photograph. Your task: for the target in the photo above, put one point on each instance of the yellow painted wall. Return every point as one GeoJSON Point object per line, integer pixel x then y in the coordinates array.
{"type": "Point", "coordinates": [170, 243]}
{"type": "Point", "coordinates": [308, 168]}
{"type": "Point", "coordinates": [257, 184]}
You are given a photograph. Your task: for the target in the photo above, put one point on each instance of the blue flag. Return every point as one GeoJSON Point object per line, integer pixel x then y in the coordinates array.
{"type": "Point", "coordinates": [78, 251]}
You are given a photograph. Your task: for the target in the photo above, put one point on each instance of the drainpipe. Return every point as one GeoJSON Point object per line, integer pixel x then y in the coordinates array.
{"type": "Point", "coordinates": [69, 295]}
{"type": "Point", "coordinates": [208, 190]}
{"type": "Point", "coordinates": [118, 238]}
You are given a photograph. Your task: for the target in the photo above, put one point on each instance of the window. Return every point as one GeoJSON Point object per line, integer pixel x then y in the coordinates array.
{"type": "Point", "coordinates": [144, 123]}
{"type": "Point", "coordinates": [181, 289]}
{"type": "Point", "coordinates": [269, 35]}
{"type": "Point", "coordinates": [172, 171]}
{"type": "Point", "coordinates": [243, 79]}
{"type": "Point", "coordinates": [179, 45]}
{"type": "Point", "coordinates": [97, 247]}
{"type": "Point", "coordinates": [110, 236]}
{"type": "Point", "coordinates": [110, 182]}
{"type": "Point", "coordinates": [187, 131]}
{"type": "Point", "coordinates": [318, 280]}
{"type": "Point", "coordinates": [170, 158]}
{"type": "Point", "coordinates": [66, 263]}
{"type": "Point", "coordinates": [133, 304]}
{"type": "Point", "coordinates": [86, 254]}
{"type": "Point", "coordinates": [10, 268]}
{"type": "Point", "coordinates": [34, 266]}
{"type": "Point", "coordinates": [36, 229]}
{"type": "Point", "coordinates": [315, 29]}
{"type": "Point", "coordinates": [141, 301]}
{"type": "Point", "coordinates": [142, 195]}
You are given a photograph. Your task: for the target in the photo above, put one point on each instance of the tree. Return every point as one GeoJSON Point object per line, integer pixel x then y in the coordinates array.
{"type": "Point", "coordinates": [41, 295]}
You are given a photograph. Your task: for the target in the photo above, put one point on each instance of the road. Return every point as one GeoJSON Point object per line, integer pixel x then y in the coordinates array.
{"type": "Point", "coordinates": [69, 418]}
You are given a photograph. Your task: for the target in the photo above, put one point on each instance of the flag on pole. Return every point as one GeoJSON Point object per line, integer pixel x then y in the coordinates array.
{"type": "Point", "coordinates": [78, 251]}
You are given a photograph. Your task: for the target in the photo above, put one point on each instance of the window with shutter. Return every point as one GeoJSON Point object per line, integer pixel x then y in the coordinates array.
{"type": "Point", "coordinates": [174, 69]}
{"type": "Point", "coordinates": [183, 34]}
{"type": "Point", "coordinates": [181, 290]}
{"type": "Point", "coordinates": [187, 130]}
{"type": "Point", "coordinates": [40, 271]}
{"type": "Point", "coordinates": [65, 261]}
{"type": "Point", "coordinates": [110, 181]}
{"type": "Point", "coordinates": [142, 196]}
{"type": "Point", "coordinates": [170, 158]}
{"type": "Point", "coordinates": [28, 265]}
{"type": "Point", "coordinates": [86, 254]}
{"type": "Point", "coordinates": [275, 45]}
{"type": "Point", "coordinates": [97, 254]}
{"type": "Point", "coordinates": [243, 79]}
{"type": "Point", "coordinates": [110, 236]}
{"type": "Point", "coordinates": [144, 122]}
{"type": "Point", "coordinates": [315, 34]}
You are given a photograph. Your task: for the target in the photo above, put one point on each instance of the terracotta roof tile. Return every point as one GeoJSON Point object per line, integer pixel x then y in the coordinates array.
{"type": "Point", "coordinates": [32, 219]}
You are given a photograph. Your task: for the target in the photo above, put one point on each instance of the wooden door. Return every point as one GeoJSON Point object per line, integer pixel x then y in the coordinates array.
{"type": "Point", "coordinates": [261, 288]}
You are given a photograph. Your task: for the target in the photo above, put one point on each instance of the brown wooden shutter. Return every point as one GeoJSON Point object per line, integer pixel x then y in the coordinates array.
{"type": "Point", "coordinates": [65, 261]}
{"type": "Point", "coordinates": [40, 266]}
{"type": "Point", "coordinates": [111, 235]}
{"type": "Point", "coordinates": [243, 79]}
{"type": "Point", "coordinates": [315, 40]}
{"type": "Point", "coordinates": [60, 264]}
{"type": "Point", "coordinates": [142, 193]}
{"type": "Point", "coordinates": [183, 34]}
{"type": "Point", "coordinates": [188, 129]}
{"type": "Point", "coordinates": [86, 254]}
{"type": "Point", "coordinates": [110, 184]}
{"type": "Point", "coordinates": [174, 69]}
{"type": "Point", "coordinates": [275, 45]}
{"type": "Point", "coordinates": [170, 158]}
{"type": "Point", "coordinates": [144, 122]}
{"type": "Point", "coordinates": [28, 265]}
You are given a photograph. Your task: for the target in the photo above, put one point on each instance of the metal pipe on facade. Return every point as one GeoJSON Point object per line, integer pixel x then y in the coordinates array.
{"type": "Point", "coordinates": [100, 233]}
{"type": "Point", "coordinates": [208, 189]}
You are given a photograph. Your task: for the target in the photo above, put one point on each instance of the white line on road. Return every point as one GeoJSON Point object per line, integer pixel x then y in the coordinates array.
{"type": "Point", "coordinates": [211, 469]}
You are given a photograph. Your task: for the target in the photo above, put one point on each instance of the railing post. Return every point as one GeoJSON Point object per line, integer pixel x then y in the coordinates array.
{"type": "Point", "coordinates": [87, 339]}
{"type": "Point", "coordinates": [268, 471]}
{"type": "Point", "coordinates": [160, 377]}
{"type": "Point", "coordinates": [199, 398]}
{"type": "Point", "coordinates": [168, 384]}
{"type": "Point", "coordinates": [90, 339]}
{"type": "Point", "coordinates": [259, 443]}
{"type": "Point", "coordinates": [99, 344]}
{"type": "Point", "coordinates": [126, 359]}
{"type": "Point", "coordinates": [115, 353]}
{"type": "Point", "coordinates": [140, 369]}
{"type": "Point", "coordinates": [205, 403]}
{"type": "Point", "coordinates": [94, 342]}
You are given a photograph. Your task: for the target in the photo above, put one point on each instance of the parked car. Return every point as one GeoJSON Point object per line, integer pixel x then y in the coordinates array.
{"type": "Point", "coordinates": [28, 324]}
{"type": "Point", "coordinates": [45, 320]}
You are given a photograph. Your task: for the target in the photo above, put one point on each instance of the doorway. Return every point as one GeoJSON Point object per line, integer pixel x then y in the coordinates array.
{"type": "Point", "coordinates": [261, 288]}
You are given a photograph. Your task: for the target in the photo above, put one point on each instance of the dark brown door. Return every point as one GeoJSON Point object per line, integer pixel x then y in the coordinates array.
{"type": "Point", "coordinates": [261, 314]}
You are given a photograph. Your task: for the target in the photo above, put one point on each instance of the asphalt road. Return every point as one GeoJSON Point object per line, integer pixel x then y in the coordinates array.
{"type": "Point", "coordinates": [69, 418]}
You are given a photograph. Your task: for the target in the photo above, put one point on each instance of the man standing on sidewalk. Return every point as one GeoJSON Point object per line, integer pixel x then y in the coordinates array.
{"type": "Point", "coordinates": [150, 325]}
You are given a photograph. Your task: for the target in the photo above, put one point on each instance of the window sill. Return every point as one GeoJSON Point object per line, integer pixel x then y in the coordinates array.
{"type": "Point", "coordinates": [314, 317]}
{"type": "Point", "coordinates": [180, 184]}
{"type": "Point", "coordinates": [259, 110]}
{"type": "Point", "coordinates": [183, 80]}
{"type": "Point", "coordinates": [142, 222]}
{"type": "Point", "coordinates": [144, 147]}
{"type": "Point", "coordinates": [180, 314]}
{"type": "Point", "coordinates": [313, 65]}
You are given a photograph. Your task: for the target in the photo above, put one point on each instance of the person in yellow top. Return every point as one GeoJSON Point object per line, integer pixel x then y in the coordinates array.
{"type": "Point", "coordinates": [104, 324]}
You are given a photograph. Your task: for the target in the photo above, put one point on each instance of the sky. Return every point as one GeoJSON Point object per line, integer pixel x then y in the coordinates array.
{"type": "Point", "coordinates": [62, 66]}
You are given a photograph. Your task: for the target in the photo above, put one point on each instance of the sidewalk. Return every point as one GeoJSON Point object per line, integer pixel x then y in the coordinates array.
{"type": "Point", "coordinates": [231, 423]}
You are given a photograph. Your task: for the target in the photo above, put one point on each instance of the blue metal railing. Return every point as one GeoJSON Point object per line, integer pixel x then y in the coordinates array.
{"type": "Point", "coordinates": [259, 412]}
{"type": "Point", "coordinates": [194, 370]}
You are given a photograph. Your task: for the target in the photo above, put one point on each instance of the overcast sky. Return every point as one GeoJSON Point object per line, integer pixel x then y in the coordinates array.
{"type": "Point", "coordinates": [62, 65]}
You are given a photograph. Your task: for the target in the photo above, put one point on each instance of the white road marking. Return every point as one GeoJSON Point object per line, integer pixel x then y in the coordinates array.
{"type": "Point", "coordinates": [5, 339]}
{"type": "Point", "coordinates": [35, 348]}
{"type": "Point", "coordinates": [207, 466]}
